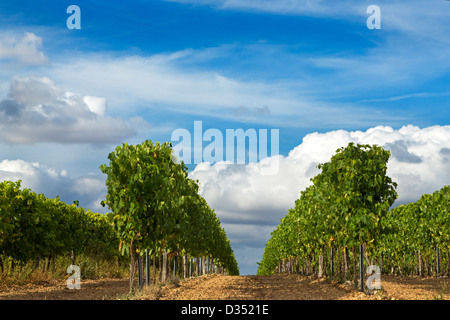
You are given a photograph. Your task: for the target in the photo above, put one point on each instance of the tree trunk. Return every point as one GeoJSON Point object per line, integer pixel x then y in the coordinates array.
{"type": "Point", "coordinates": [308, 266]}
{"type": "Point", "coordinates": [204, 265]}
{"type": "Point", "coordinates": [49, 259]}
{"type": "Point", "coordinates": [338, 259]}
{"type": "Point", "coordinates": [132, 263]}
{"type": "Point", "coordinates": [35, 266]}
{"type": "Point", "coordinates": [11, 268]}
{"type": "Point", "coordinates": [196, 267]}
{"type": "Point", "coordinates": [355, 275]}
{"type": "Point", "coordinates": [184, 266]}
{"type": "Point", "coordinates": [419, 263]}
{"type": "Point", "coordinates": [154, 264]}
{"type": "Point", "coordinates": [160, 264]}
{"type": "Point", "coordinates": [438, 262]}
{"type": "Point", "coordinates": [345, 263]}
{"type": "Point", "coordinates": [368, 262]}
{"type": "Point", "coordinates": [448, 264]}
{"type": "Point", "coordinates": [165, 267]}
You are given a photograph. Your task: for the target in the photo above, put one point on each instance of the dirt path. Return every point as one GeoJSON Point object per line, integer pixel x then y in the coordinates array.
{"type": "Point", "coordinates": [294, 287]}
{"type": "Point", "coordinates": [90, 290]}
{"type": "Point", "coordinates": [276, 287]}
{"type": "Point", "coordinates": [219, 287]}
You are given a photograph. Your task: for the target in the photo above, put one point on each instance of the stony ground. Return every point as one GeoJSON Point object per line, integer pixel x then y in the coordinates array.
{"type": "Point", "coordinates": [294, 287]}
{"type": "Point", "coordinates": [57, 290]}
{"type": "Point", "coordinates": [218, 287]}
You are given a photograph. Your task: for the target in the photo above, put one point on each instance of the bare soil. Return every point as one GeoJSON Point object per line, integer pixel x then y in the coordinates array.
{"type": "Point", "coordinates": [220, 287]}
{"type": "Point", "coordinates": [295, 287]}
{"type": "Point", "coordinates": [103, 289]}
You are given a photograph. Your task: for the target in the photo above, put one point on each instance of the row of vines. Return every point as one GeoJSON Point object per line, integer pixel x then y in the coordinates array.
{"type": "Point", "coordinates": [157, 208]}
{"type": "Point", "coordinates": [344, 223]}
{"type": "Point", "coordinates": [34, 229]}
{"type": "Point", "coordinates": [156, 212]}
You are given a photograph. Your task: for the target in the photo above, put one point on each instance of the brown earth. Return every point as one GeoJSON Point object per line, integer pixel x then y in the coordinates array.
{"type": "Point", "coordinates": [57, 290]}
{"type": "Point", "coordinates": [219, 287]}
{"type": "Point", "coordinates": [295, 287]}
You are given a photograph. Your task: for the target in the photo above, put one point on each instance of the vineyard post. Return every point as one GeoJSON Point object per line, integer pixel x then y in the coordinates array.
{"type": "Point", "coordinates": [332, 262]}
{"type": "Point", "coordinates": [361, 268]}
{"type": "Point", "coordinates": [174, 266]}
{"type": "Point", "coordinates": [165, 267]}
{"type": "Point", "coordinates": [147, 268]}
{"type": "Point", "coordinates": [139, 266]}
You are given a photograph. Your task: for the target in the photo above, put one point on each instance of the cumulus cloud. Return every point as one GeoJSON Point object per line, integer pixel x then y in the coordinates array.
{"type": "Point", "coordinates": [38, 111]}
{"type": "Point", "coordinates": [25, 51]}
{"type": "Point", "coordinates": [90, 190]}
{"type": "Point", "coordinates": [242, 196]}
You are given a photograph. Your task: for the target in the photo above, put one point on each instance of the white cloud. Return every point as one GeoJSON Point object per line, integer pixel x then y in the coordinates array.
{"type": "Point", "coordinates": [35, 176]}
{"type": "Point", "coordinates": [96, 105]}
{"type": "Point", "coordinates": [293, 7]}
{"type": "Point", "coordinates": [427, 19]}
{"type": "Point", "coordinates": [88, 185]}
{"type": "Point", "coordinates": [195, 81]}
{"type": "Point", "coordinates": [240, 195]}
{"type": "Point", "coordinates": [38, 111]}
{"type": "Point", "coordinates": [90, 190]}
{"type": "Point", "coordinates": [26, 51]}
{"type": "Point", "coordinates": [169, 82]}
{"type": "Point", "coordinates": [158, 81]}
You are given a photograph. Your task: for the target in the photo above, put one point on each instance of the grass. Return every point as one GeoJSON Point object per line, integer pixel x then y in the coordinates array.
{"type": "Point", "coordinates": [441, 292]}
{"type": "Point", "coordinates": [153, 292]}
{"type": "Point", "coordinates": [90, 269]}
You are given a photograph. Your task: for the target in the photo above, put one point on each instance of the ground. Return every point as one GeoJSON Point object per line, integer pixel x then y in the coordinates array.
{"type": "Point", "coordinates": [220, 287]}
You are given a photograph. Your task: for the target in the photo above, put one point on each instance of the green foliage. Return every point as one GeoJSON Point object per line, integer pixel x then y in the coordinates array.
{"type": "Point", "coordinates": [154, 205]}
{"type": "Point", "coordinates": [35, 227]}
{"type": "Point", "coordinates": [417, 227]}
{"type": "Point", "coordinates": [348, 204]}
{"type": "Point", "coordinates": [343, 207]}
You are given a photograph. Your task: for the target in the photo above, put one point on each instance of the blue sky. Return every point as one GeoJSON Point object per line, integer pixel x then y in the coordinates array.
{"type": "Point", "coordinates": [307, 68]}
